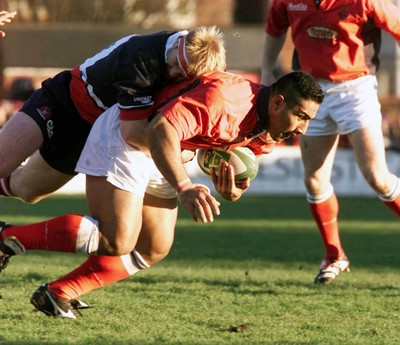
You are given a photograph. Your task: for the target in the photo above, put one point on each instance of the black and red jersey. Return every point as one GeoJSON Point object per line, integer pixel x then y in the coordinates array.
{"type": "Point", "coordinates": [127, 72]}
{"type": "Point", "coordinates": [335, 39]}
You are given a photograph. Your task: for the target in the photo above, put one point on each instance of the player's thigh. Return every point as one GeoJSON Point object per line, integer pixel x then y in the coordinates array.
{"type": "Point", "coordinates": [19, 138]}
{"type": "Point", "coordinates": [369, 149]}
{"type": "Point", "coordinates": [318, 153]}
{"type": "Point", "coordinates": [119, 212]}
{"type": "Point", "coordinates": [36, 179]}
{"type": "Point", "coordinates": [158, 228]}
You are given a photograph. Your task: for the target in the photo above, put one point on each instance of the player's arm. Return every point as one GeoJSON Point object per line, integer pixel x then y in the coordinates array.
{"type": "Point", "coordinates": [385, 15]}
{"type": "Point", "coordinates": [272, 47]}
{"type": "Point", "coordinates": [225, 183]}
{"type": "Point", "coordinates": [165, 148]}
{"type": "Point", "coordinates": [133, 134]}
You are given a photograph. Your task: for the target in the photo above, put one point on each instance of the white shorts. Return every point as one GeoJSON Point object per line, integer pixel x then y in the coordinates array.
{"type": "Point", "coordinates": [107, 154]}
{"type": "Point", "coordinates": [347, 107]}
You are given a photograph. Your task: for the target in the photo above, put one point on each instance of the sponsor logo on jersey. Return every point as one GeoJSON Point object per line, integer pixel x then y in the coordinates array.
{"type": "Point", "coordinates": [50, 128]}
{"type": "Point", "coordinates": [321, 33]}
{"type": "Point", "coordinates": [45, 113]}
{"type": "Point", "coordinates": [297, 7]}
{"type": "Point", "coordinates": [143, 100]}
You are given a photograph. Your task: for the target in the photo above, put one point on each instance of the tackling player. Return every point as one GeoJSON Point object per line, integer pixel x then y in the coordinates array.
{"type": "Point", "coordinates": [52, 126]}
{"type": "Point", "coordinates": [133, 207]}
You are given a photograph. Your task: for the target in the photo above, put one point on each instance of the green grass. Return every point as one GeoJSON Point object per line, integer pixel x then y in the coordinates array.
{"type": "Point", "coordinates": [245, 279]}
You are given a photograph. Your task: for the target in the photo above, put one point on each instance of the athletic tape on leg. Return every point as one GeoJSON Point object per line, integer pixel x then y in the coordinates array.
{"type": "Point", "coordinates": [134, 262]}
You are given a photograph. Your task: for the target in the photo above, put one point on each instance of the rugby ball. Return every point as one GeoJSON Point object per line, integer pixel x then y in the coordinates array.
{"type": "Point", "coordinates": [242, 159]}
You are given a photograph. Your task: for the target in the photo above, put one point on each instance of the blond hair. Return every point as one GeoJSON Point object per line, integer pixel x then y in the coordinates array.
{"type": "Point", "coordinates": [205, 47]}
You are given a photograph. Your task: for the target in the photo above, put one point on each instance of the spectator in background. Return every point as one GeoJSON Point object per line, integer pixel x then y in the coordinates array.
{"type": "Point", "coordinates": [20, 91]}
{"type": "Point", "coordinates": [6, 17]}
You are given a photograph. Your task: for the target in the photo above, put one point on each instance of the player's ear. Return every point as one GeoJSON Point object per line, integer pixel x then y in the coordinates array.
{"type": "Point", "coordinates": [278, 101]}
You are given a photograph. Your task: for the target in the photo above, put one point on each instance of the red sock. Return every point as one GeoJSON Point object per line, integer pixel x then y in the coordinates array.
{"type": "Point", "coordinates": [97, 271]}
{"type": "Point", "coordinates": [394, 205]}
{"type": "Point", "coordinates": [325, 215]}
{"type": "Point", "coordinates": [57, 234]}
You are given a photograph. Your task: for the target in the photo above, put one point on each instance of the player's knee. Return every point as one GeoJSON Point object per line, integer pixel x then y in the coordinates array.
{"type": "Point", "coordinates": [156, 248]}
{"type": "Point", "coordinates": [24, 190]}
{"type": "Point", "coordinates": [116, 245]}
{"type": "Point", "coordinates": [376, 181]}
{"type": "Point", "coordinates": [117, 248]}
{"type": "Point", "coordinates": [27, 196]}
{"type": "Point", "coordinates": [156, 254]}
{"type": "Point", "coordinates": [313, 185]}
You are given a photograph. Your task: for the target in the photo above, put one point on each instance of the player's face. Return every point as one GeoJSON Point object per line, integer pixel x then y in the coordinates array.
{"type": "Point", "coordinates": [174, 71]}
{"type": "Point", "coordinates": [287, 122]}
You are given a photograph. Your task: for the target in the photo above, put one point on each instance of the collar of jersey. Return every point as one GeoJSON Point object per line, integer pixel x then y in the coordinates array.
{"type": "Point", "coordinates": [262, 112]}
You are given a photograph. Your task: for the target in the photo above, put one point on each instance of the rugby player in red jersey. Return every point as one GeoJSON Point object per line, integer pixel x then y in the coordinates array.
{"type": "Point", "coordinates": [215, 110]}
{"type": "Point", "coordinates": [338, 42]}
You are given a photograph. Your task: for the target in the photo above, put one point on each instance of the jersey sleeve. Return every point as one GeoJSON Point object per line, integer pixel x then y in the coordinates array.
{"type": "Point", "coordinates": [188, 115]}
{"type": "Point", "coordinates": [277, 20]}
{"type": "Point", "coordinates": [133, 114]}
{"type": "Point", "coordinates": [386, 16]}
{"type": "Point", "coordinates": [138, 75]}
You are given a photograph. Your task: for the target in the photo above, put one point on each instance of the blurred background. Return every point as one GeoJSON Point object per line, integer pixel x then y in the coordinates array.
{"type": "Point", "coordinates": [48, 36]}
{"type": "Point", "coordinates": [51, 35]}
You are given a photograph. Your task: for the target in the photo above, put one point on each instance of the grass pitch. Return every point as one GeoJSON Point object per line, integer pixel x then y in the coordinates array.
{"type": "Point", "coordinates": [247, 278]}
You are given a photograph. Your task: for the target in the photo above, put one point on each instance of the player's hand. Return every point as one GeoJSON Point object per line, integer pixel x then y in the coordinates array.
{"type": "Point", "coordinates": [225, 183]}
{"type": "Point", "coordinates": [6, 17]}
{"type": "Point", "coordinates": [199, 202]}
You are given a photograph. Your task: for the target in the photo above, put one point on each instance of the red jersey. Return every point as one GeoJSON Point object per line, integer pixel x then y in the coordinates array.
{"type": "Point", "coordinates": [338, 39]}
{"type": "Point", "coordinates": [216, 110]}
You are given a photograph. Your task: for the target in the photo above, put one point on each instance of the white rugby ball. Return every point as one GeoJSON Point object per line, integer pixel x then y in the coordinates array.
{"type": "Point", "coordinates": [242, 159]}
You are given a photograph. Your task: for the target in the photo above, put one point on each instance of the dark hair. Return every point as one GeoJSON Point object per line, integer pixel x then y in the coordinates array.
{"type": "Point", "coordinates": [298, 85]}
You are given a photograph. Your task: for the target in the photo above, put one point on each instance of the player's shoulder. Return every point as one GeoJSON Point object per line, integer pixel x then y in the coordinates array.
{"type": "Point", "coordinates": [220, 82]}
{"type": "Point", "coordinates": [222, 89]}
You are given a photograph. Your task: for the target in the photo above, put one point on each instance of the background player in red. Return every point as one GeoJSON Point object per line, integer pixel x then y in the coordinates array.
{"type": "Point", "coordinates": [216, 110]}
{"type": "Point", "coordinates": [338, 42]}
{"type": "Point", "coordinates": [52, 127]}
